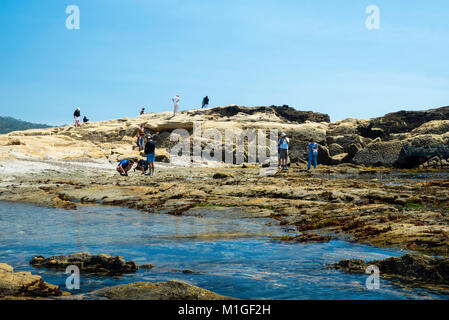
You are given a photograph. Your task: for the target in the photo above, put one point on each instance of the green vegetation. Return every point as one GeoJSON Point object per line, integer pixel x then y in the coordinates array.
{"type": "Point", "coordinates": [413, 206]}
{"type": "Point", "coordinates": [8, 124]}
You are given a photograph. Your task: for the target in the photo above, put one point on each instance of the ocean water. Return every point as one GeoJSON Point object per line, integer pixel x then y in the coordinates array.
{"type": "Point", "coordinates": [230, 252]}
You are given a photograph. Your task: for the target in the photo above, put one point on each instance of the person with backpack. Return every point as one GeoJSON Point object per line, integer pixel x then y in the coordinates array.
{"type": "Point", "coordinates": [150, 148]}
{"type": "Point", "coordinates": [283, 144]}
{"type": "Point", "coordinates": [205, 102]}
{"type": "Point", "coordinates": [313, 154]}
{"type": "Point", "coordinates": [77, 115]}
{"type": "Point", "coordinates": [140, 137]}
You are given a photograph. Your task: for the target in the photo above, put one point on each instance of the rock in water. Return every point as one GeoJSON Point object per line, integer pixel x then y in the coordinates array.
{"type": "Point", "coordinates": [169, 290]}
{"type": "Point", "coordinates": [409, 267]}
{"type": "Point", "coordinates": [24, 284]}
{"type": "Point", "coordinates": [95, 263]}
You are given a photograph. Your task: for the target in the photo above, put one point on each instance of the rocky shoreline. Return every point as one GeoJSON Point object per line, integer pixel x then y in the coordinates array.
{"type": "Point", "coordinates": [364, 189]}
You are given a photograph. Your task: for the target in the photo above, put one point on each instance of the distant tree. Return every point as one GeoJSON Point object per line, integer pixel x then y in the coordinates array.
{"type": "Point", "coordinates": [8, 124]}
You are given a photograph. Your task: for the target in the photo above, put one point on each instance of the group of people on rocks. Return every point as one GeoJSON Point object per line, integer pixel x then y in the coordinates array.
{"type": "Point", "coordinates": [142, 165]}
{"type": "Point", "coordinates": [283, 144]}
{"type": "Point", "coordinates": [147, 144]}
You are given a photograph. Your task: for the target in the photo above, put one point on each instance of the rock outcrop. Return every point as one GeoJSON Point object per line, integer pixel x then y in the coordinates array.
{"type": "Point", "coordinates": [86, 262]}
{"type": "Point", "coordinates": [169, 290]}
{"type": "Point", "coordinates": [422, 135]}
{"type": "Point", "coordinates": [409, 268]}
{"type": "Point", "coordinates": [24, 284]}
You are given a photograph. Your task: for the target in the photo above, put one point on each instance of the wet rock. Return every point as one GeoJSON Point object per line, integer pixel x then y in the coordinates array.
{"type": "Point", "coordinates": [24, 284]}
{"type": "Point", "coordinates": [308, 238]}
{"type": "Point", "coordinates": [409, 267]}
{"type": "Point", "coordinates": [95, 263]}
{"type": "Point", "coordinates": [222, 175]}
{"type": "Point", "coordinates": [147, 266]}
{"type": "Point", "coordinates": [169, 290]}
{"type": "Point", "coordinates": [379, 154]}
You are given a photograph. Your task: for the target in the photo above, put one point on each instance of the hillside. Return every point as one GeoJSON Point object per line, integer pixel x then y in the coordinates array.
{"type": "Point", "coordinates": [8, 124]}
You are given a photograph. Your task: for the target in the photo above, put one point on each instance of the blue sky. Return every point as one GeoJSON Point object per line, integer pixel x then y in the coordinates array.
{"type": "Point", "coordinates": [312, 55]}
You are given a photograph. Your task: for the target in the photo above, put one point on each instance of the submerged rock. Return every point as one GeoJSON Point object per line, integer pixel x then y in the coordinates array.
{"type": "Point", "coordinates": [169, 290]}
{"type": "Point", "coordinates": [24, 284]}
{"type": "Point", "coordinates": [95, 263]}
{"type": "Point", "coordinates": [409, 267]}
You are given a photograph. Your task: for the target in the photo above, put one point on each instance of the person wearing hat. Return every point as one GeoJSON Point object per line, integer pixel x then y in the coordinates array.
{"type": "Point", "coordinates": [313, 154]}
{"type": "Point", "coordinates": [150, 147]}
{"type": "Point", "coordinates": [283, 144]}
{"type": "Point", "coordinates": [77, 115]}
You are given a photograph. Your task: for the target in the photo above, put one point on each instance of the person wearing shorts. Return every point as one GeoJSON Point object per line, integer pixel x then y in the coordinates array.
{"type": "Point", "coordinates": [77, 115]}
{"type": "Point", "coordinates": [150, 148]}
{"type": "Point", "coordinates": [140, 138]}
{"type": "Point", "coordinates": [283, 150]}
{"type": "Point", "coordinates": [175, 100]}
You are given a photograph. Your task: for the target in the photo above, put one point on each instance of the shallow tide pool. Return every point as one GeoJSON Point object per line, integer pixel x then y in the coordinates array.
{"type": "Point", "coordinates": [230, 252]}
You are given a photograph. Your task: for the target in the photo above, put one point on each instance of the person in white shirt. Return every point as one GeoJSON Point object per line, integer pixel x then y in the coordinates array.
{"type": "Point", "coordinates": [175, 100]}
{"type": "Point", "coordinates": [283, 144]}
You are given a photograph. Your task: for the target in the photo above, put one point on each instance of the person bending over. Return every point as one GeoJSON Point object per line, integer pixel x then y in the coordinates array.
{"type": "Point", "coordinates": [142, 165]}
{"type": "Point", "coordinates": [124, 166]}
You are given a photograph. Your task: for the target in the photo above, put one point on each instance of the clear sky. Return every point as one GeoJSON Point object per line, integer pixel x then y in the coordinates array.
{"type": "Point", "coordinates": [309, 54]}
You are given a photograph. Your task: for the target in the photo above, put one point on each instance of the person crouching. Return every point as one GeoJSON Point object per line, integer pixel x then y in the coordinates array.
{"type": "Point", "coordinates": [124, 166]}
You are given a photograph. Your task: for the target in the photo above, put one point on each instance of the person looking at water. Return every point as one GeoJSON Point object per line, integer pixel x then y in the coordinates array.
{"type": "Point", "coordinates": [77, 115]}
{"type": "Point", "coordinates": [124, 166]}
{"type": "Point", "coordinates": [205, 102]}
{"type": "Point", "coordinates": [150, 147]}
{"type": "Point", "coordinates": [142, 165]}
{"type": "Point", "coordinates": [175, 100]}
{"type": "Point", "coordinates": [313, 154]}
{"type": "Point", "coordinates": [140, 137]}
{"type": "Point", "coordinates": [283, 150]}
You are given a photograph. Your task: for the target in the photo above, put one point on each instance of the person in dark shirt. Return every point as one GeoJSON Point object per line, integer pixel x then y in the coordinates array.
{"type": "Point", "coordinates": [85, 119]}
{"type": "Point", "coordinates": [77, 115]}
{"type": "Point", "coordinates": [149, 151]}
{"type": "Point", "coordinates": [205, 102]}
{"type": "Point", "coordinates": [142, 111]}
{"type": "Point", "coordinates": [142, 165]}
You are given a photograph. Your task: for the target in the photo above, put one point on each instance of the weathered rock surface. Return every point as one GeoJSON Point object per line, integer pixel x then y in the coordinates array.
{"type": "Point", "coordinates": [24, 284]}
{"type": "Point", "coordinates": [114, 140]}
{"type": "Point", "coordinates": [379, 154]}
{"type": "Point", "coordinates": [169, 290]}
{"type": "Point", "coordinates": [414, 268]}
{"type": "Point", "coordinates": [86, 262]}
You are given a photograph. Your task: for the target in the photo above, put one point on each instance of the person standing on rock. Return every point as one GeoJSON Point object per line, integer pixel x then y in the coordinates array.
{"type": "Point", "coordinates": [283, 144]}
{"type": "Point", "coordinates": [142, 112]}
{"type": "Point", "coordinates": [150, 148]}
{"type": "Point", "coordinates": [124, 166]}
{"type": "Point", "coordinates": [85, 119]}
{"type": "Point", "coordinates": [205, 102]}
{"type": "Point", "coordinates": [140, 136]}
{"type": "Point", "coordinates": [313, 154]}
{"type": "Point", "coordinates": [175, 100]}
{"type": "Point", "coordinates": [77, 115]}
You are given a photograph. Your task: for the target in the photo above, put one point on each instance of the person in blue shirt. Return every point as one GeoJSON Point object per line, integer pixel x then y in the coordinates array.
{"type": "Point", "coordinates": [313, 154]}
{"type": "Point", "coordinates": [124, 166]}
